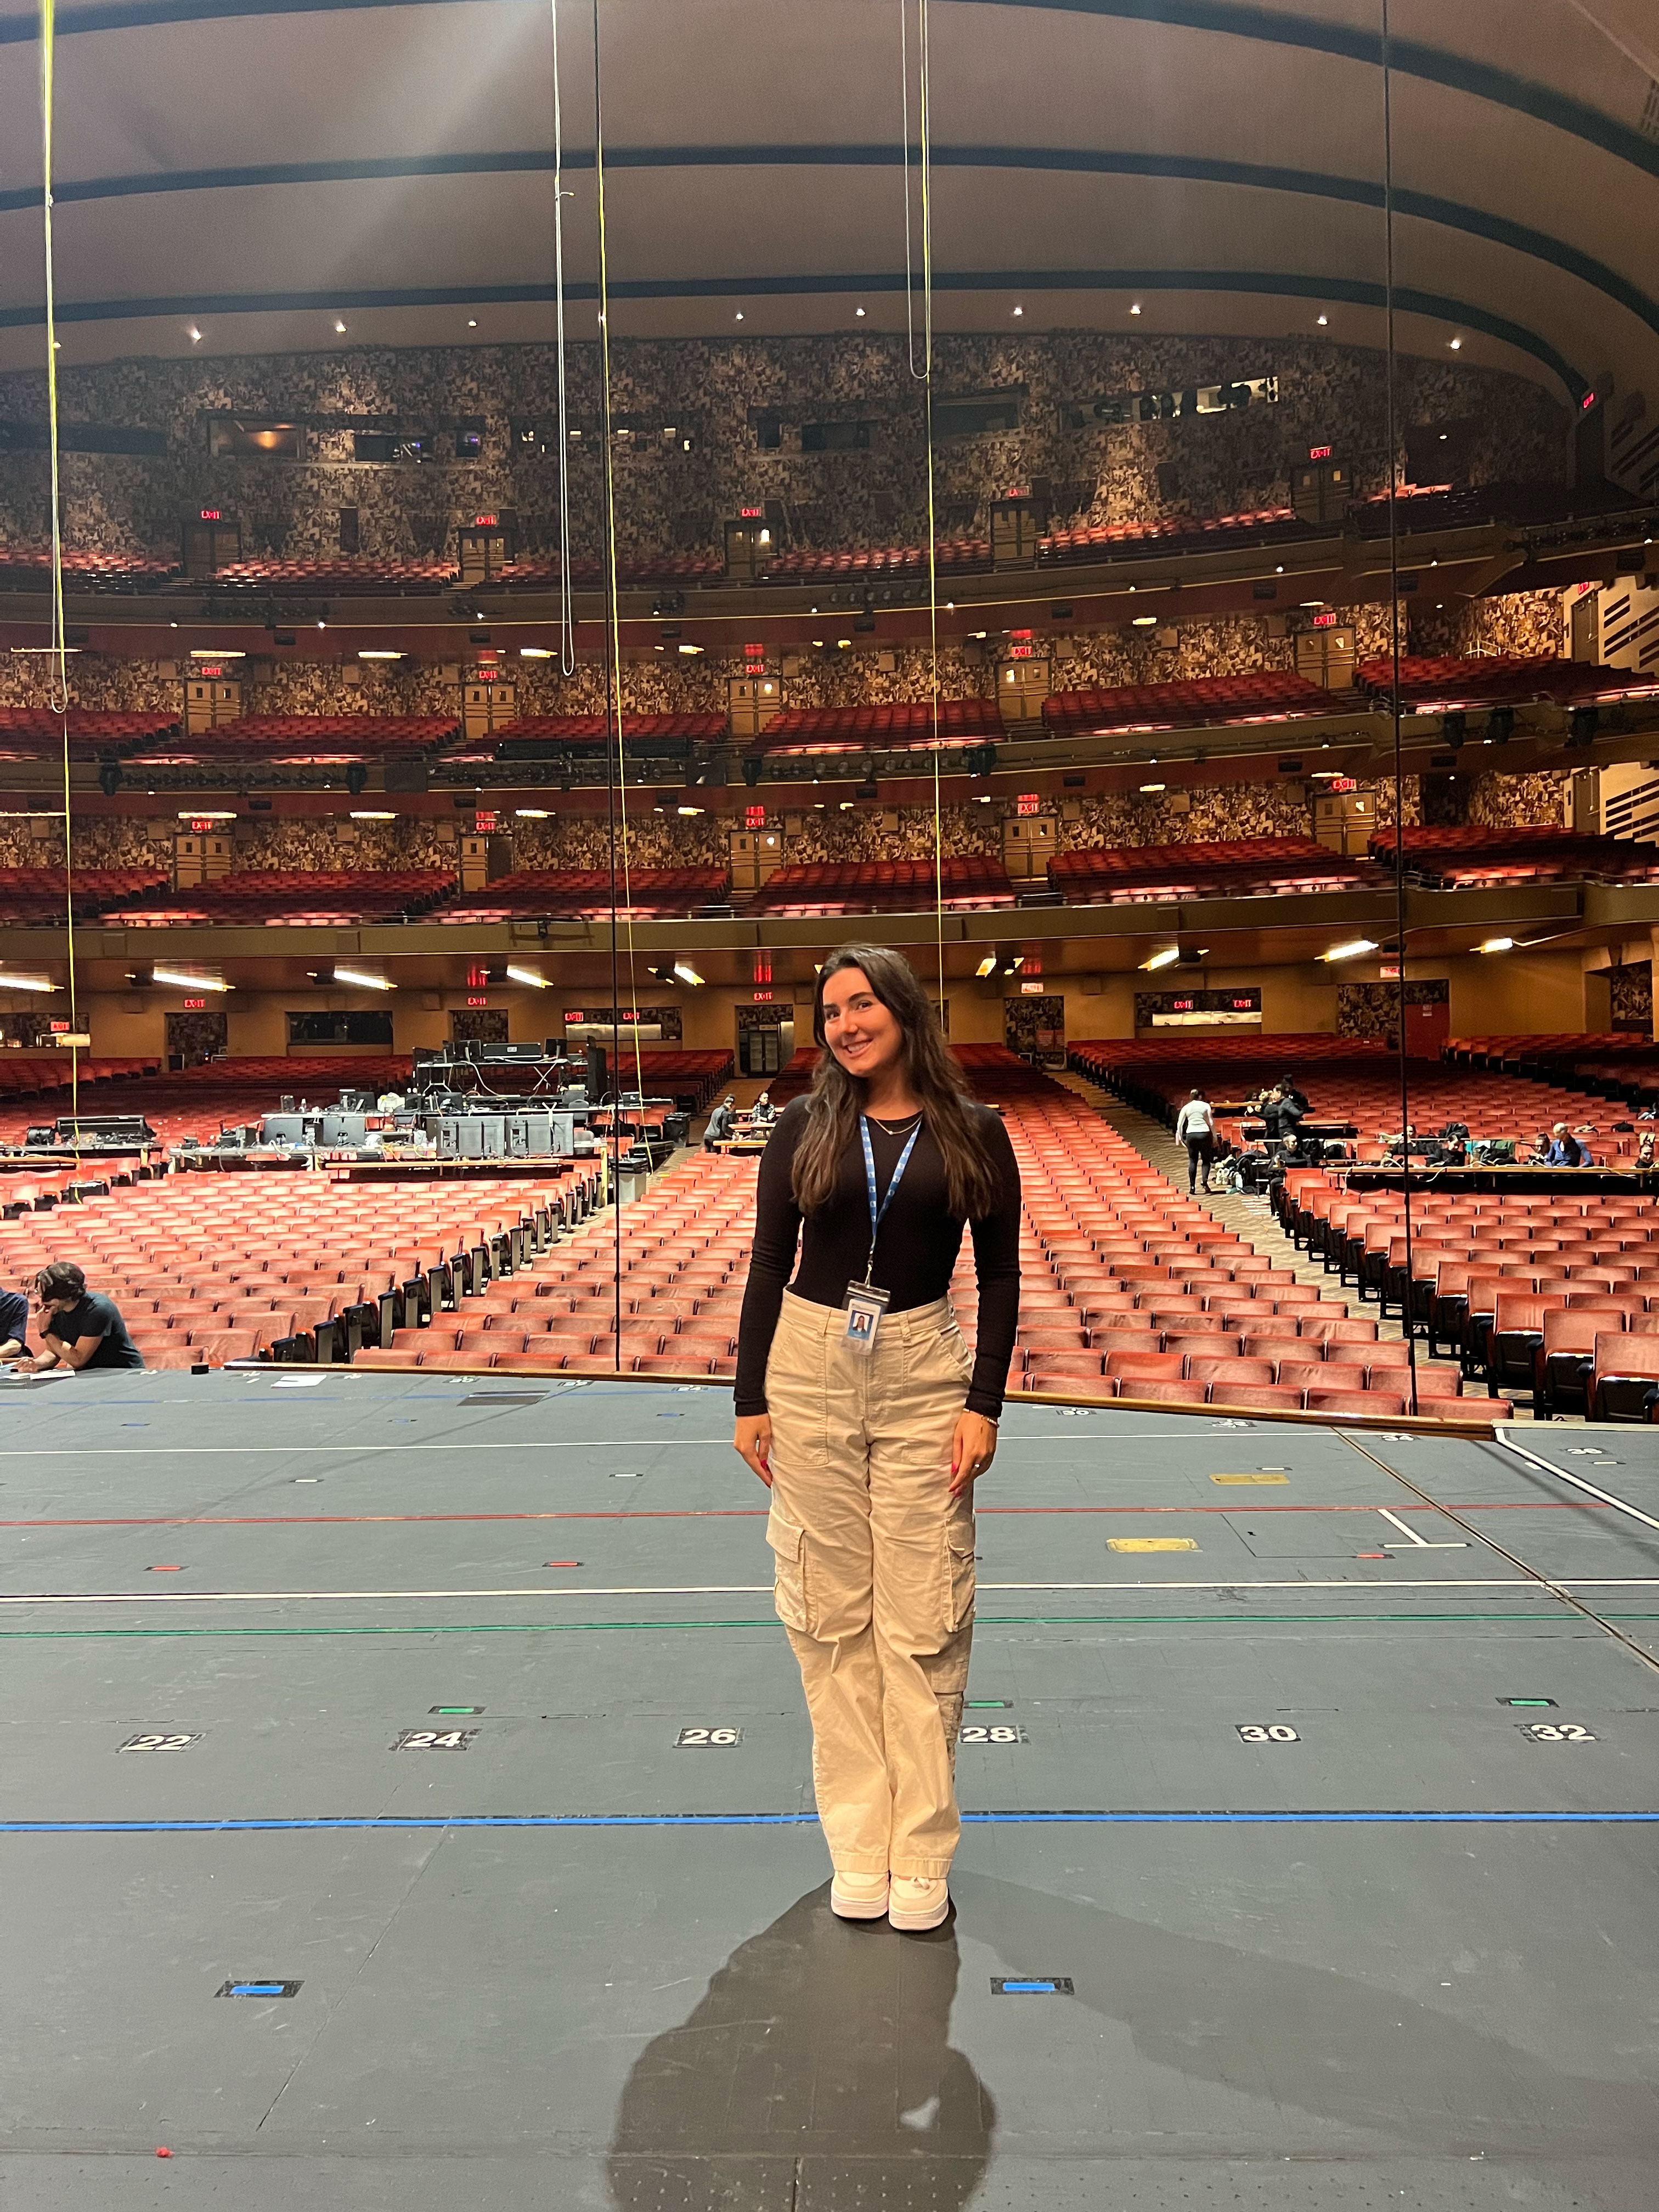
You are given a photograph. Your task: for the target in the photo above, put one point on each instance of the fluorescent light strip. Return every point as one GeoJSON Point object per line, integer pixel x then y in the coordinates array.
{"type": "Point", "coordinates": [176, 975]}
{"type": "Point", "coordinates": [364, 982]}
{"type": "Point", "coordinates": [537, 982]}
{"type": "Point", "coordinates": [1164, 959]}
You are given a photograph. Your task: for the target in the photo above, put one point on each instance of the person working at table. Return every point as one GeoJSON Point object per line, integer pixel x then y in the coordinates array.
{"type": "Point", "coordinates": [719, 1123]}
{"type": "Point", "coordinates": [764, 1113]}
{"type": "Point", "coordinates": [14, 1323]}
{"type": "Point", "coordinates": [1565, 1151]}
{"type": "Point", "coordinates": [78, 1327]}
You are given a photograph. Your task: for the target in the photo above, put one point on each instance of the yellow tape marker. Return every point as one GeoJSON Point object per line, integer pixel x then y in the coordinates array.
{"type": "Point", "coordinates": [1249, 1478]}
{"type": "Point", "coordinates": [1151, 1544]}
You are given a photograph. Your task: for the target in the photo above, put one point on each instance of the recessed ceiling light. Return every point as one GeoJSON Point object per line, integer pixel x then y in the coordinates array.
{"type": "Point", "coordinates": [858, 311]}
{"type": "Point", "coordinates": [195, 335]}
{"type": "Point", "coordinates": [1457, 345]}
{"type": "Point", "coordinates": [1154, 786]}
{"type": "Point", "coordinates": [1019, 311]}
{"type": "Point", "coordinates": [1322, 320]}
{"type": "Point", "coordinates": [1170, 953]}
{"type": "Point", "coordinates": [1135, 309]}
{"type": "Point", "coordinates": [472, 322]}
{"type": "Point", "coordinates": [1142, 621]}
{"type": "Point", "coordinates": [339, 327]}
{"type": "Point", "coordinates": [739, 315]}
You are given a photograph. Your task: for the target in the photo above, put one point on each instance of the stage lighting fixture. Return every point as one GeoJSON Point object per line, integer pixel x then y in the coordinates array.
{"type": "Point", "coordinates": [26, 983]}
{"type": "Point", "coordinates": [109, 777]}
{"type": "Point", "coordinates": [1455, 727]}
{"type": "Point", "coordinates": [530, 976]}
{"type": "Point", "coordinates": [1582, 725]}
{"type": "Point", "coordinates": [1167, 958]}
{"type": "Point", "coordinates": [688, 974]}
{"type": "Point", "coordinates": [1500, 725]}
{"type": "Point", "coordinates": [356, 776]}
{"type": "Point", "coordinates": [1351, 950]}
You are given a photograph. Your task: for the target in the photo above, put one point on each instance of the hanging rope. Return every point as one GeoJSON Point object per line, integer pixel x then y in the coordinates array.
{"type": "Point", "coordinates": [618, 782]}
{"type": "Point", "coordinates": [924, 377]}
{"type": "Point", "coordinates": [567, 588]}
{"type": "Point", "coordinates": [57, 700]}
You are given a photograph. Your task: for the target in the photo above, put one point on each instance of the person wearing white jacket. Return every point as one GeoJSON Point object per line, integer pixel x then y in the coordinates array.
{"type": "Point", "coordinates": [1195, 1128]}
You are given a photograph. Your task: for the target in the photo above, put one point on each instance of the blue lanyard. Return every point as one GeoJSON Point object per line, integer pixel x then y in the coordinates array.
{"type": "Point", "coordinates": [877, 1212]}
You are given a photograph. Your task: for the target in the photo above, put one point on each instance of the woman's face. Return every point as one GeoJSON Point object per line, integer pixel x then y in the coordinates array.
{"type": "Point", "coordinates": [863, 1034]}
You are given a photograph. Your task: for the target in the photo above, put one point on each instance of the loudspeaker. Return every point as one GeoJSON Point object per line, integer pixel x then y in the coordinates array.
{"type": "Point", "coordinates": [596, 1073]}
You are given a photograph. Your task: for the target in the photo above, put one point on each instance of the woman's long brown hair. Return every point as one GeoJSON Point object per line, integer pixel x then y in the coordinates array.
{"type": "Point", "coordinates": [836, 1099]}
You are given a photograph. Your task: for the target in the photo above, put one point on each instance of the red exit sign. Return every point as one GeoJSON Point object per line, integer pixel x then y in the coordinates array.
{"type": "Point", "coordinates": [754, 817]}
{"type": "Point", "coordinates": [1324, 621]}
{"type": "Point", "coordinates": [212, 515]}
{"type": "Point", "coordinates": [485, 821]}
{"type": "Point", "coordinates": [1344, 783]}
{"type": "Point", "coordinates": [1319, 452]}
{"type": "Point", "coordinates": [1244, 1006]}
{"type": "Point", "coordinates": [485, 521]}
{"type": "Point", "coordinates": [1028, 802]}
{"type": "Point", "coordinates": [763, 997]}
{"type": "Point", "coordinates": [60, 1029]}
{"type": "Point", "coordinates": [473, 999]}
{"type": "Point", "coordinates": [750, 514]}
{"type": "Point", "coordinates": [194, 1006]}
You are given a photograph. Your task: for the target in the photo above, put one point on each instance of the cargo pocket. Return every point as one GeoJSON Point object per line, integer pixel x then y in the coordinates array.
{"type": "Point", "coordinates": [959, 1579]}
{"type": "Point", "coordinates": [956, 1352]}
{"type": "Point", "coordinates": [789, 1568]}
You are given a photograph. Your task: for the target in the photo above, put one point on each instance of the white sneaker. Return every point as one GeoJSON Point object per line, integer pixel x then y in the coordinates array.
{"type": "Point", "coordinates": [858, 1896]}
{"type": "Point", "coordinates": [917, 1903]}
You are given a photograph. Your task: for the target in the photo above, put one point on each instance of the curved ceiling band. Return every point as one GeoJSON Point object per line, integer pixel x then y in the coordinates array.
{"type": "Point", "coordinates": [1353, 291]}
{"type": "Point", "coordinates": [1426, 207]}
{"type": "Point", "coordinates": [1224, 18]}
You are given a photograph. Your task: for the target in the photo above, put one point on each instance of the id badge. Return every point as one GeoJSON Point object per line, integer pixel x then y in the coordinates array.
{"type": "Point", "coordinates": [865, 1305]}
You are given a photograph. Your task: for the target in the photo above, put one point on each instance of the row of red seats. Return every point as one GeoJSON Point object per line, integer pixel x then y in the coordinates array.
{"type": "Point", "coordinates": [1435, 684]}
{"type": "Point", "coordinates": [1269, 694]}
{"type": "Point", "coordinates": [1539, 852]}
{"type": "Point", "coordinates": [585, 893]}
{"type": "Point", "coordinates": [974, 881]}
{"type": "Point", "coordinates": [600, 729]}
{"type": "Point", "coordinates": [338, 572]}
{"type": "Point", "coordinates": [37, 897]}
{"type": "Point", "coordinates": [1257, 866]}
{"type": "Point", "coordinates": [900, 726]}
{"type": "Point", "coordinates": [292, 897]}
{"type": "Point", "coordinates": [802, 566]}
{"type": "Point", "coordinates": [1169, 534]}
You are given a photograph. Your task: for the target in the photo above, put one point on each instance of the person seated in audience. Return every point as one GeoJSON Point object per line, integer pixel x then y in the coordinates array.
{"type": "Point", "coordinates": [14, 1323]}
{"type": "Point", "coordinates": [720, 1123]}
{"type": "Point", "coordinates": [763, 1114]}
{"type": "Point", "coordinates": [1643, 1159]}
{"type": "Point", "coordinates": [1401, 1146]}
{"type": "Point", "coordinates": [79, 1327]}
{"type": "Point", "coordinates": [1539, 1156]}
{"type": "Point", "coordinates": [1291, 1093]}
{"type": "Point", "coordinates": [1565, 1151]}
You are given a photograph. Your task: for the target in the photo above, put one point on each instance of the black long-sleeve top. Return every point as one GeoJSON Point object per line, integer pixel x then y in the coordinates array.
{"type": "Point", "coordinates": [915, 1252]}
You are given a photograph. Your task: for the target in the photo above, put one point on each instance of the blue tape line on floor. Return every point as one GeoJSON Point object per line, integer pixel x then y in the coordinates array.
{"type": "Point", "coordinates": [437, 1821]}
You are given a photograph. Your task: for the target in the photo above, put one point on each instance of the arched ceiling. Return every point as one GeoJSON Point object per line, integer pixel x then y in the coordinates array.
{"type": "Point", "coordinates": [261, 170]}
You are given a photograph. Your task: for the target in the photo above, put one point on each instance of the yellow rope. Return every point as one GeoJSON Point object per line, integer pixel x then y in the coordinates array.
{"type": "Point", "coordinates": [57, 697]}
{"type": "Point", "coordinates": [612, 612]}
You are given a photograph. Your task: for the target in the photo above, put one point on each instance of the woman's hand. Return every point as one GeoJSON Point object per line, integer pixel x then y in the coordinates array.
{"type": "Point", "coordinates": [753, 1442]}
{"type": "Point", "coordinates": [972, 1449]}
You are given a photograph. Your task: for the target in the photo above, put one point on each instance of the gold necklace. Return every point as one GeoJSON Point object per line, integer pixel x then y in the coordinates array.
{"type": "Point", "coordinates": [904, 1122]}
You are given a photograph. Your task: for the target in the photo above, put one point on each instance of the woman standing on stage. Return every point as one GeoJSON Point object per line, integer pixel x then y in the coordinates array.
{"type": "Point", "coordinates": [859, 1404]}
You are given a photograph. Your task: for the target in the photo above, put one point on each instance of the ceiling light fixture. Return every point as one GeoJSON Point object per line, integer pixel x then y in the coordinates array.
{"type": "Point", "coordinates": [372, 814]}
{"type": "Point", "coordinates": [531, 977]}
{"type": "Point", "coordinates": [195, 335]}
{"type": "Point", "coordinates": [195, 814]}
{"type": "Point", "coordinates": [215, 653]}
{"type": "Point", "coordinates": [1497, 944]}
{"type": "Point", "coordinates": [1142, 621]}
{"type": "Point", "coordinates": [1322, 320]}
{"type": "Point", "coordinates": [1457, 345]}
{"type": "Point", "coordinates": [1167, 958]}
{"type": "Point", "coordinates": [362, 980]}
{"type": "Point", "coordinates": [1155, 786]}
{"type": "Point", "coordinates": [339, 327]}
{"type": "Point", "coordinates": [688, 974]}
{"type": "Point", "coordinates": [186, 982]}
{"type": "Point", "coordinates": [1019, 311]}
{"type": "Point", "coordinates": [688, 810]}
{"type": "Point", "coordinates": [1351, 950]}
{"type": "Point", "coordinates": [535, 652]}
{"type": "Point", "coordinates": [26, 983]}
{"type": "Point", "coordinates": [1135, 308]}
{"type": "Point", "coordinates": [858, 311]}
{"type": "Point", "coordinates": [531, 813]}
{"type": "Point", "coordinates": [377, 653]}
{"type": "Point", "coordinates": [987, 964]}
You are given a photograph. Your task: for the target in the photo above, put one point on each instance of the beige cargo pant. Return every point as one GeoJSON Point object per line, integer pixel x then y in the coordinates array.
{"type": "Point", "coordinates": [874, 1573]}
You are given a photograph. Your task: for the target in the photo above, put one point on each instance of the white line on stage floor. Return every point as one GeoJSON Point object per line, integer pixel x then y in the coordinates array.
{"type": "Point", "coordinates": [764, 1590]}
{"type": "Point", "coordinates": [1577, 1481]}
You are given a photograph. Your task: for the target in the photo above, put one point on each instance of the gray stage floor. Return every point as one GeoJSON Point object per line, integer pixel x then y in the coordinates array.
{"type": "Point", "coordinates": [1343, 1924]}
